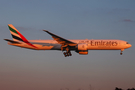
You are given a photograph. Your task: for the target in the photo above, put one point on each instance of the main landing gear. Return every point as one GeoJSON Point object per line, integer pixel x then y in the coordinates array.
{"type": "Point", "coordinates": [121, 51]}
{"type": "Point", "coordinates": [67, 53]}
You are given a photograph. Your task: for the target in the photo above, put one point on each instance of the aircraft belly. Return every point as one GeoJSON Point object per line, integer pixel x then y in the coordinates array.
{"type": "Point", "coordinates": [39, 47]}
{"type": "Point", "coordinates": [22, 45]}
{"type": "Point", "coordinates": [49, 47]}
{"type": "Point", "coordinates": [104, 47]}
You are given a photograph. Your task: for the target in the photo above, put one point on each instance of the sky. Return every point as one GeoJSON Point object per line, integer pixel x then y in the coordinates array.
{"type": "Point", "coordinates": [25, 69]}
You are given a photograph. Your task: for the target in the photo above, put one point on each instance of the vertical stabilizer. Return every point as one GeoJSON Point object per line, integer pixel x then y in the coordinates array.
{"type": "Point", "coordinates": [15, 33]}
{"type": "Point", "coordinates": [17, 36]}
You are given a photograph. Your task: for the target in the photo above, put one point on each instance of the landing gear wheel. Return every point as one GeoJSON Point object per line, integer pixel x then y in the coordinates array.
{"type": "Point", "coordinates": [70, 54]}
{"type": "Point", "coordinates": [67, 51]}
{"type": "Point", "coordinates": [67, 54]}
{"type": "Point", "coordinates": [121, 51]}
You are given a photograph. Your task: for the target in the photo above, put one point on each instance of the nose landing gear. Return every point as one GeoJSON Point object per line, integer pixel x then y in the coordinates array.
{"type": "Point", "coordinates": [121, 51]}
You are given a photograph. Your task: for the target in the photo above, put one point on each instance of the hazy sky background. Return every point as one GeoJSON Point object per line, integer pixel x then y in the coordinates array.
{"type": "Point", "coordinates": [24, 69]}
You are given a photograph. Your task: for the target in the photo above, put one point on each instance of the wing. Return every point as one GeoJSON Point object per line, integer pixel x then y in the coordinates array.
{"type": "Point", "coordinates": [61, 40]}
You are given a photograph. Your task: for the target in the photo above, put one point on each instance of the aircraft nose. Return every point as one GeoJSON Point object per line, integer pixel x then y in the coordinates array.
{"type": "Point", "coordinates": [129, 45]}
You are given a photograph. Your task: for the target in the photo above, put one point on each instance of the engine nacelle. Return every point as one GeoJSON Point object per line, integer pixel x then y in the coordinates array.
{"type": "Point", "coordinates": [82, 49]}
{"type": "Point", "coordinates": [83, 52]}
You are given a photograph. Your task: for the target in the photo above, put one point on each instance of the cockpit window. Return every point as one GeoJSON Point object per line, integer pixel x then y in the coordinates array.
{"type": "Point", "coordinates": [127, 43]}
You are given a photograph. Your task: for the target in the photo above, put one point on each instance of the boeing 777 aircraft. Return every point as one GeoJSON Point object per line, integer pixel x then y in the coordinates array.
{"type": "Point", "coordinates": [65, 45]}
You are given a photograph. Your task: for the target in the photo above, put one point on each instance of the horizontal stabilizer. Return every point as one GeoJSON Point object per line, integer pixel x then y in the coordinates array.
{"type": "Point", "coordinates": [11, 41]}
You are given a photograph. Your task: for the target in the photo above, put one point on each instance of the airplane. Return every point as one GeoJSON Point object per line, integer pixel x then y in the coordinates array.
{"type": "Point", "coordinates": [65, 45]}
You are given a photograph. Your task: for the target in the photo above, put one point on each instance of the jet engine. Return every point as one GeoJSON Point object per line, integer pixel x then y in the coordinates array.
{"type": "Point", "coordinates": [82, 49]}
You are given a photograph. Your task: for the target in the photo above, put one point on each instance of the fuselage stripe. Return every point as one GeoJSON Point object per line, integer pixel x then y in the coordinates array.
{"type": "Point", "coordinates": [25, 40]}
{"type": "Point", "coordinates": [11, 29]}
{"type": "Point", "coordinates": [15, 37]}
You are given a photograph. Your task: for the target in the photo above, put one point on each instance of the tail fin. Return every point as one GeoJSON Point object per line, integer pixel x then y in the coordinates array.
{"type": "Point", "coordinates": [17, 36]}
